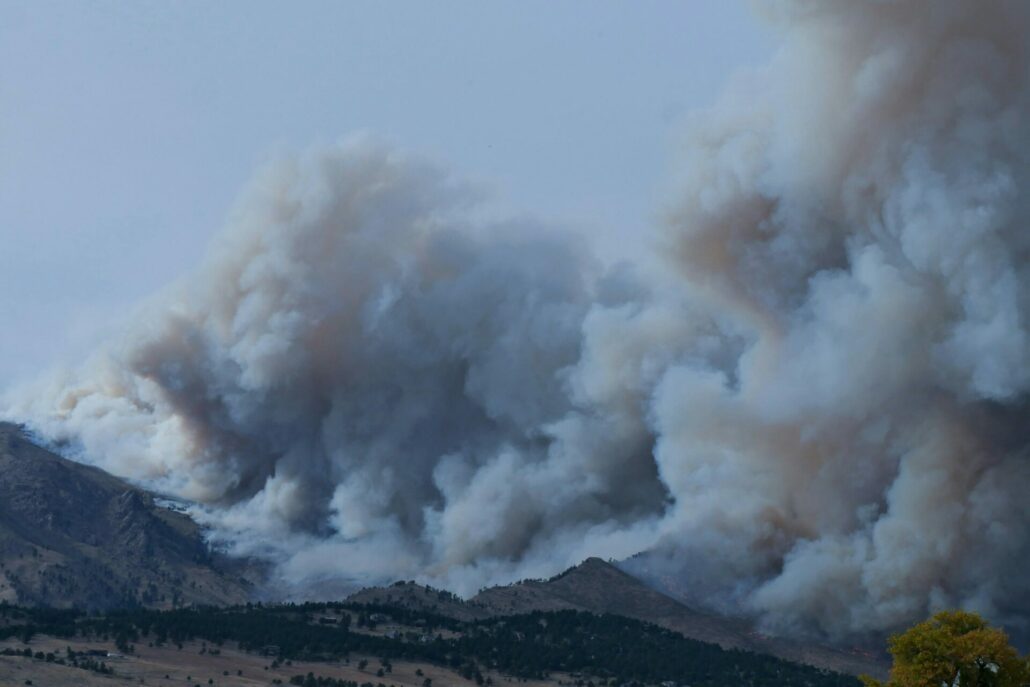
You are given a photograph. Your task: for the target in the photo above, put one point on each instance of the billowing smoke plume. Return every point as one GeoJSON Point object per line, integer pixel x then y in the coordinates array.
{"type": "Point", "coordinates": [820, 415]}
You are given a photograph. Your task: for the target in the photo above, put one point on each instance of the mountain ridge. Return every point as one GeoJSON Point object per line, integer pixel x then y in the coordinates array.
{"type": "Point", "coordinates": [74, 535]}
{"type": "Point", "coordinates": [600, 587]}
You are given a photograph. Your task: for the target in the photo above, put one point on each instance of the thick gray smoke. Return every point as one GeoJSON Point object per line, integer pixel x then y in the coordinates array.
{"type": "Point", "coordinates": [820, 415]}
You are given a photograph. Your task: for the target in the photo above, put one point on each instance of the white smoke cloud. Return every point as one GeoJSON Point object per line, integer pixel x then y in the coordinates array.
{"type": "Point", "coordinates": [818, 416]}
{"type": "Point", "coordinates": [361, 382]}
{"type": "Point", "coordinates": [861, 222]}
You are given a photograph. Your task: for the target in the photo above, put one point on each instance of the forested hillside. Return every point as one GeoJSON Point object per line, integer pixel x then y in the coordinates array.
{"type": "Point", "coordinates": [588, 648]}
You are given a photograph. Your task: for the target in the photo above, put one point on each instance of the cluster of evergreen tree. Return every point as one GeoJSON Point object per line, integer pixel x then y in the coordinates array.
{"type": "Point", "coordinates": [71, 658]}
{"type": "Point", "coordinates": [612, 650]}
{"type": "Point", "coordinates": [619, 650]}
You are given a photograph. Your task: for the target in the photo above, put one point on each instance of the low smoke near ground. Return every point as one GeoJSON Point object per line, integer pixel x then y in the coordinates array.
{"type": "Point", "coordinates": [814, 411]}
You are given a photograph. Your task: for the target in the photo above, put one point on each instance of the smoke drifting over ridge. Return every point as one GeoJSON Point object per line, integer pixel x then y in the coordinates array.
{"type": "Point", "coordinates": [819, 415]}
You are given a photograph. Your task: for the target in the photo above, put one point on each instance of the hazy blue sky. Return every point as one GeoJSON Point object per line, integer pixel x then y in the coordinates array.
{"type": "Point", "coordinates": [127, 128]}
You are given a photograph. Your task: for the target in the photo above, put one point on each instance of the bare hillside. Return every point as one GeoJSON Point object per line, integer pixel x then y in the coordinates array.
{"type": "Point", "coordinates": [73, 535]}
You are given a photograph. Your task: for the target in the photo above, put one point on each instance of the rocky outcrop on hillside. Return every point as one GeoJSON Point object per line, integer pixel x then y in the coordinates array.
{"type": "Point", "coordinates": [73, 535]}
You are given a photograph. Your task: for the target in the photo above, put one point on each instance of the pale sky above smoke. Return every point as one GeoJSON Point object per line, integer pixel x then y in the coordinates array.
{"type": "Point", "coordinates": [128, 128]}
{"type": "Point", "coordinates": [811, 409]}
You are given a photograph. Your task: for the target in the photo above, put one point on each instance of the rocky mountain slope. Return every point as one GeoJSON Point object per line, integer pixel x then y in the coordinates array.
{"type": "Point", "coordinates": [73, 535]}
{"type": "Point", "coordinates": [600, 587]}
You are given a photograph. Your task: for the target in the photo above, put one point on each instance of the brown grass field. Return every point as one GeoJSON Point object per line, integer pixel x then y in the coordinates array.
{"type": "Point", "coordinates": [188, 666]}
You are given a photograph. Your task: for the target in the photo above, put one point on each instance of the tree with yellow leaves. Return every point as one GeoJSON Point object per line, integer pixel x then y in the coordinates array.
{"type": "Point", "coordinates": [954, 649]}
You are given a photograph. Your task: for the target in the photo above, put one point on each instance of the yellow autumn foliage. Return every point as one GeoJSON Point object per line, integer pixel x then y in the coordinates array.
{"type": "Point", "coordinates": [954, 649]}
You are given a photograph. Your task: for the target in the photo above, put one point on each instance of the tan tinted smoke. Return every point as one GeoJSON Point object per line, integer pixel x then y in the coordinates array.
{"type": "Point", "coordinates": [821, 418]}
